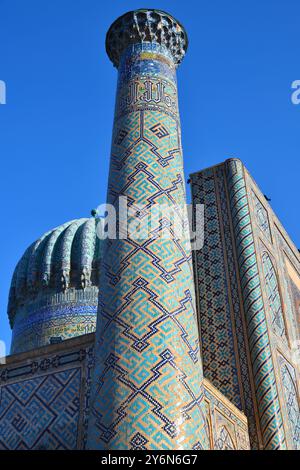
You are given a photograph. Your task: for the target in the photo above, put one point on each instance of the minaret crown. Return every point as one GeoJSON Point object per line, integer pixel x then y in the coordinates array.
{"type": "Point", "coordinates": [146, 25]}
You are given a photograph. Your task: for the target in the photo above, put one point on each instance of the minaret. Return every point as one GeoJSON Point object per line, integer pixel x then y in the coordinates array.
{"type": "Point", "coordinates": [147, 389]}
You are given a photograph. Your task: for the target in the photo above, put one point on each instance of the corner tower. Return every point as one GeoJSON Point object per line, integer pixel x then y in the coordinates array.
{"type": "Point", "coordinates": [147, 390]}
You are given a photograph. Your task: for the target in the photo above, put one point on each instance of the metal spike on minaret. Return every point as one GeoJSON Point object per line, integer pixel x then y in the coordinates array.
{"type": "Point", "coordinates": [147, 388]}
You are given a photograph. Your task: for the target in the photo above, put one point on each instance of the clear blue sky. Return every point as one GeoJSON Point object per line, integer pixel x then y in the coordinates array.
{"type": "Point", "coordinates": [55, 130]}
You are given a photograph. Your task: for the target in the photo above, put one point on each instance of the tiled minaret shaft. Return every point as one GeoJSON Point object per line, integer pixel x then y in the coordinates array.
{"type": "Point", "coordinates": [147, 389]}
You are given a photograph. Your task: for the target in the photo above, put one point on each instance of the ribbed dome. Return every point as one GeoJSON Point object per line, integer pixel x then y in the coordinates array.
{"type": "Point", "coordinates": [61, 268]}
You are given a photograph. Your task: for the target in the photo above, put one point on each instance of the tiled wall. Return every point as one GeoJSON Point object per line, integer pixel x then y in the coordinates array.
{"type": "Point", "coordinates": [279, 266]}
{"type": "Point", "coordinates": [224, 346]}
{"type": "Point", "coordinates": [248, 290]}
{"type": "Point", "coordinates": [44, 397]}
{"type": "Point", "coordinates": [228, 427]}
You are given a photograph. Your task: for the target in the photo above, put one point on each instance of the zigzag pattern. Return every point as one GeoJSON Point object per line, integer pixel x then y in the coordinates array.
{"type": "Point", "coordinates": [263, 370]}
{"type": "Point", "coordinates": [148, 376]}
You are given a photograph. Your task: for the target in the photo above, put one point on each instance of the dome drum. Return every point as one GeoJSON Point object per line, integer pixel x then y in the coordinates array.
{"type": "Point", "coordinates": [54, 290]}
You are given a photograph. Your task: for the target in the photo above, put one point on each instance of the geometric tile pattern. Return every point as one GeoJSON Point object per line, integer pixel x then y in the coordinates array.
{"type": "Point", "coordinates": [279, 263]}
{"type": "Point", "coordinates": [264, 376]}
{"type": "Point", "coordinates": [291, 400]}
{"type": "Point", "coordinates": [224, 441]}
{"type": "Point", "coordinates": [218, 355]}
{"type": "Point", "coordinates": [41, 413]}
{"type": "Point", "coordinates": [147, 388]}
{"type": "Point", "coordinates": [44, 401]}
{"type": "Point", "coordinates": [234, 297]}
{"type": "Point", "coordinates": [224, 343]}
{"type": "Point", "coordinates": [289, 267]}
{"type": "Point", "coordinates": [262, 218]}
{"type": "Point", "coordinates": [227, 425]}
{"type": "Point", "coordinates": [274, 298]}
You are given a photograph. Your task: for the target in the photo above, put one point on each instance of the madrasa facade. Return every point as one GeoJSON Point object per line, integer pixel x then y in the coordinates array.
{"type": "Point", "coordinates": [150, 342]}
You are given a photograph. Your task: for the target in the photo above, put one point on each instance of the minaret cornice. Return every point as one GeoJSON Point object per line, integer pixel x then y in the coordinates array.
{"type": "Point", "coordinates": [146, 26]}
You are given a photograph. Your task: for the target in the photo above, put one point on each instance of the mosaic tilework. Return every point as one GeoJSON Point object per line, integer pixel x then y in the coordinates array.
{"type": "Point", "coordinates": [261, 216]}
{"type": "Point", "coordinates": [158, 88]}
{"type": "Point", "coordinates": [224, 441]}
{"type": "Point", "coordinates": [239, 330]}
{"type": "Point", "coordinates": [48, 403]}
{"type": "Point", "coordinates": [147, 390]}
{"type": "Point", "coordinates": [279, 266]}
{"type": "Point", "coordinates": [291, 394]}
{"type": "Point", "coordinates": [273, 294]}
{"type": "Point", "coordinates": [262, 363]}
{"type": "Point", "coordinates": [57, 317]}
{"type": "Point", "coordinates": [292, 303]}
{"type": "Point", "coordinates": [288, 365]}
{"type": "Point", "coordinates": [227, 425]}
{"type": "Point", "coordinates": [290, 283]}
{"type": "Point", "coordinates": [44, 401]}
{"type": "Point", "coordinates": [218, 353]}
{"type": "Point", "coordinates": [294, 298]}
{"type": "Point", "coordinates": [225, 364]}
{"type": "Point", "coordinates": [54, 290]}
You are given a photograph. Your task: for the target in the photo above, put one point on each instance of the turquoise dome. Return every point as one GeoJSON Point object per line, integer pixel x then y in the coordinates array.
{"type": "Point", "coordinates": [54, 289]}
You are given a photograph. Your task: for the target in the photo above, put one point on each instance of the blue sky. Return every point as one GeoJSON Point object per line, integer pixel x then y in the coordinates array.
{"type": "Point", "coordinates": [55, 130]}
